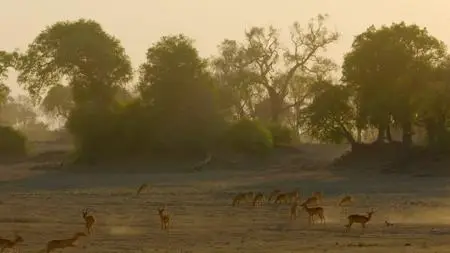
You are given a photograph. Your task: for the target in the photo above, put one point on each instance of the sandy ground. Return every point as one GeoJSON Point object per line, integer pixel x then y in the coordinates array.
{"type": "Point", "coordinates": [41, 206]}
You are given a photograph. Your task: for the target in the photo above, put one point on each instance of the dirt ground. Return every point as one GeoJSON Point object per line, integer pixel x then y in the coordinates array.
{"type": "Point", "coordinates": [44, 205]}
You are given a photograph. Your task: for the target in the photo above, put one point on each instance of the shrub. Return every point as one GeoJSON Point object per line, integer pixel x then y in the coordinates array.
{"type": "Point", "coordinates": [280, 134]}
{"type": "Point", "coordinates": [249, 136]}
{"type": "Point", "coordinates": [12, 142]}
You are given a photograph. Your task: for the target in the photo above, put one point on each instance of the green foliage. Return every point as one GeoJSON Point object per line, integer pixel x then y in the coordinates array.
{"type": "Point", "coordinates": [262, 69]}
{"type": "Point", "coordinates": [280, 134]}
{"type": "Point", "coordinates": [183, 99]}
{"type": "Point", "coordinates": [330, 116]}
{"type": "Point", "coordinates": [58, 102]}
{"type": "Point", "coordinates": [12, 142]}
{"type": "Point", "coordinates": [249, 136]}
{"type": "Point", "coordinates": [387, 68]}
{"type": "Point", "coordinates": [18, 112]}
{"type": "Point", "coordinates": [81, 52]}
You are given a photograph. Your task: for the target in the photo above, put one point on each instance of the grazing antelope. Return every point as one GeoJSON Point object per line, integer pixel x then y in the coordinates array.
{"type": "Point", "coordinates": [89, 220]}
{"type": "Point", "coordinates": [282, 197]}
{"type": "Point", "coordinates": [258, 200]}
{"type": "Point", "coordinates": [249, 196]}
{"type": "Point", "coordinates": [345, 200]}
{"type": "Point", "coordinates": [238, 198]}
{"type": "Point", "coordinates": [10, 244]}
{"type": "Point", "coordinates": [293, 210]}
{"type": "Point", "coordinates": [357, 218]}
{"type": "Point", "coordinates": [64, 243]}
{"type": "Point", "coordinates": [311, 200]}
{"type": "Point", "coordinates": [314, 211]}
{"type": "Point", "coordinates": [273, 194]}
{"type": "Point", "coordinates": [388, 224]}
{"type": "Point", "coordinates": [141, 188]}
{"type": "Point", "coordinates": [164, 218]}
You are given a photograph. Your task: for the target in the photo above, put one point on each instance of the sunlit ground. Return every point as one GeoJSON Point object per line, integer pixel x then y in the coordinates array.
{"type": "Point", "coordinates": [48, 206]}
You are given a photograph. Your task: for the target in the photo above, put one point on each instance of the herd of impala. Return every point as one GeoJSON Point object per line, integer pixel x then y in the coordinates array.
{"type": "Point", "coordinates": [293, 199]}
{"type": "Point", "coordinates": [256, 199]}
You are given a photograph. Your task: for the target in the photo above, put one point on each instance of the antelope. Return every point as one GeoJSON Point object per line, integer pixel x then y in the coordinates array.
{"type": "Point", "coordinates": [64, 243]}
{"type": "Point", "coordinates": [318, 195]}
{"type": "Point", "coordinates": [273, 194]}
{"type": "Point", "coordinates": [89, 220]}
{"type": "Point", "coordinates": [388, 224]}
{"type": "Point", "coordinates": [164, 218]}
{"type": "Point", "coordinates": [10, 244]}
{"type": "Point", "coordinates": [293, 195]}
{"type": "Point", "coordinates": [314, 211]}
{"type": "Point", "coordinates": [141, 188]}
{"type": "Point", "coordinates": [249, 196]}
{"type": "Point", "coordinates": [357, 218]}
{"type": "Point", "coordinates": [293, 210]}
{"type": "Point", "coordinates": [345, 200]}
{"type": "Point", "coordinates": [311, 200]}
{"type": "Point", "coordinates": [259, 198]}
{"type": "Point", "coordinates": [238, 198]}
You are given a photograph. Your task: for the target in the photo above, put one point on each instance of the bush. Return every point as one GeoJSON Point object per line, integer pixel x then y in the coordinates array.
{"type": "Point", "coordinates": [280, 134]}
{"type": "Point", "coordinates": [249, 136]}
{"type": "Point", "coordinates": [12, 142]}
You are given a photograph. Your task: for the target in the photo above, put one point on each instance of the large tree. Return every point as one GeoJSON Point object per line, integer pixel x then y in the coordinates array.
{"type": "Point", "coordinates": [179, 91]}
{"type": "Point", "coordinates": [386, 67]}
{"type": "Point", "coordinates": [81, 52]}
{"type": "Point", "coordinates": [93, 64]}
{"type": "Point", "coordinates": [7, 61]}
{"type": "Point", "coordinates": [330, 116]}
{"type": "Point", "coordinates": [261, 68]}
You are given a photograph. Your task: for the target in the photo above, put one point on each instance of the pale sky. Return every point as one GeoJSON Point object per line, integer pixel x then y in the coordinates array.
{"type": "Point", "coordinates": [139, 23]}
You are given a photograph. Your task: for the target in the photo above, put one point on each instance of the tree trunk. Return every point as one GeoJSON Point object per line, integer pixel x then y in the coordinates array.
{"type": "Point", "coordinates": [276, 104]}
{"type": "Point", "coordinates": [388, 133]}
{"type": "Point", "coordinates": [381, 133]}
{"type": "Point", "coordinates": [407, 134]}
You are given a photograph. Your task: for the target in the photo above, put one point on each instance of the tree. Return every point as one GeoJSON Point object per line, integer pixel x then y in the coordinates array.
{"type": "Point", "coordinates": [330, 116]}
{"type": "Point", "coordinates": [386, 68]}
{"type": "Point", "coordinates": [18, 112]}
{"type": "Point", "coordinates": [261, 68]}
{"type": "Point", "coordinates": [433, 103]}
{"type": "Point", "coordinates": [7, 60]}
{"type": "Point", "coordinates": [92, 61]}
{"type": "Point", "coordinates": [180, 94]}
{"type": "Point", "coordinates": [58, 102]}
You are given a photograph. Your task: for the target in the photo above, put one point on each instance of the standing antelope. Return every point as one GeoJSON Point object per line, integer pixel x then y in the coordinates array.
{"type": "Point", "coordinates": [259, 198]}
{"type": "Point", "coordinates": [319, 195]}
{"type": "Point", "coordinates": [273, 194]}
{"type": "Point", "coordinates": [141, 188]}
{"type": "Point", "coordinates": [311, 200]}
{"type": "Point", "coordinates": [10, 244]}
{"type": "Point", "coordinates": [314, 211]}
{"type": "Point", "coordinates": [164, 218]}
{"type": "Point", "coordinates": [89, 220]}
{"type": "Point", "coordinates": [293, 195]}
{"type": "Point", "coordinates": [64, 243]}
{"type": "Point", "coordinates": [357, 218]}
{"type": "Point", "coordinates": [238, 198]}
{"type": "Point", "coordinates": [293, 210]}
{"type": "Point", "coordinates": [249, 196]}
{"type": "Point", "coordinates": [345, 200]}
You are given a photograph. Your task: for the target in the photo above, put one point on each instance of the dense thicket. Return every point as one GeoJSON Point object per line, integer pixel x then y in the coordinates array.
{"type": "Point", "coordinates": [253, 95]}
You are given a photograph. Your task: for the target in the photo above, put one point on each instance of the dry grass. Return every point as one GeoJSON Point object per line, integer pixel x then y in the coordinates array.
{"type": "Point", "coordinates": [46, 206]}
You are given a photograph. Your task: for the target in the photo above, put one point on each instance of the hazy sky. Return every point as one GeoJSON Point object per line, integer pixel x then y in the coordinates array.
{"type": "Point", "coordinates": [139, 23]}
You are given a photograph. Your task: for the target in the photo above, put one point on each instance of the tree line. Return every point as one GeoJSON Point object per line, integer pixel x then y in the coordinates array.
{"type": "Point", "coordinates": [252, 95]}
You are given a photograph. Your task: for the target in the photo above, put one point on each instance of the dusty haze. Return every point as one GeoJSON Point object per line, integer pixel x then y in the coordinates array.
{"type": "Point", "coordinates": [139, 23]}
